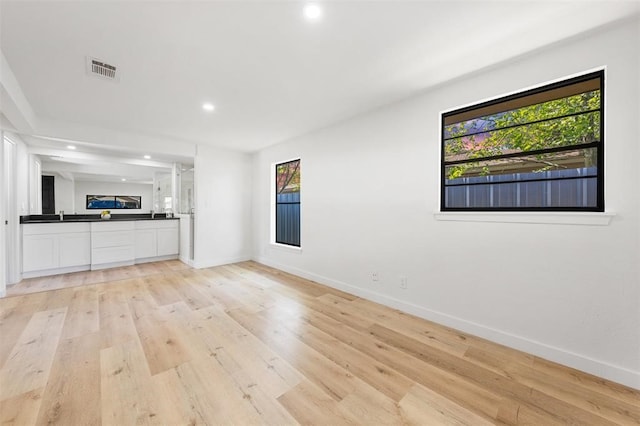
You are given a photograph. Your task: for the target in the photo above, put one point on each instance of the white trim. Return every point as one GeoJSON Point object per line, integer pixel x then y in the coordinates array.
{"type": "Point", "coordinates": [3, 214]}
{"type": "Point", "coordinates": [599, 368]}
{"type": "Point", "coordinates": [156, 258]}
{"type": "Point", "coordinates": [285, 247]}
{"type": "Point", "coordinates": [95, 267]}
{"type": "Point", "coordinates": [524, 89]}
{"type": "Point", "coordinates": [11, 243]}
{"type": "Point", "coordinates": [272, 203]}
{"type": "Point", "coordinates": [557, 218]}
{"type": "Point", "coordinates": [210, 263]}
{"type": "Point", "coordinates": [55, 271]}
{"type": "Point", "coordinates": [186, 261]}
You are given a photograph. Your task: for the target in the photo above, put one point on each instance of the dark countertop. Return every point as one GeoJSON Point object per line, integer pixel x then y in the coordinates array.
{"type": "Point", "coordinates": [74, 218]}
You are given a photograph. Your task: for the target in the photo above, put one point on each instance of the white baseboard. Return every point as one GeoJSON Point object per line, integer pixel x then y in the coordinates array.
{"type": "Point", "coordinates": [598, 368]}
{"type": "Point", "coordinates": [186, 261]}
{"type": "Point", "coordinates": [209, 263]}
{"type": "Point", "coordinates": [156, 259]}
{"type": "Point", "coordinates": [95, 267]}
{"type": "Point", "coordinates": [56, 271]}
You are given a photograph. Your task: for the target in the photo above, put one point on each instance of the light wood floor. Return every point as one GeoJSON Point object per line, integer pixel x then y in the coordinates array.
{"type": "Point", "coordinates": [247, 344]}
{"type": "Point", "coordinates": [75, 279]}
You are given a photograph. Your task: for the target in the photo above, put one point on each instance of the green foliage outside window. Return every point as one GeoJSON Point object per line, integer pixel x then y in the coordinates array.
{"type": "Point", "coordinates": [288, 177]}
{"type": "Point", "coordinates": [566, 122]}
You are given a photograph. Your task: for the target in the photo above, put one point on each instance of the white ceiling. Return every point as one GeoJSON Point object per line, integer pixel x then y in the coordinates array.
{"type": "Point", "coordinates": [271, 74]}
{"type": "Point", "coordinates": [89, 162]}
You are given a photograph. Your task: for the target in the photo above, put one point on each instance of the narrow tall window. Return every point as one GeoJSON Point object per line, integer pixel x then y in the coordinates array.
{"type": "Point", "coordinates": [541, 149]}
{"type": "Point", "coordinates": [288, 203]}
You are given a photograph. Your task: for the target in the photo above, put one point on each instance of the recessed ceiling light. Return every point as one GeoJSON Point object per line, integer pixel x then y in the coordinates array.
{"type": "Point", "coordinates": [147, 157]}
{"type": "Point", "coordinates": [207, 106]}
{"type": "Point", "coordinates": [312, 12]}
{"type": "Point", "coordinates": [71, 146]}
{"type": "Point", "coordinates": [123, 179]}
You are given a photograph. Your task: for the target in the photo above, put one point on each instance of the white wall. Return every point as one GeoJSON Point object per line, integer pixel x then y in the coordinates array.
{"type": "Point", "coordinates": [370, 187]}
{"type": "Point", "coordinates": [223, 207]}
{"type": "Point", "coordinates": [84, 188]}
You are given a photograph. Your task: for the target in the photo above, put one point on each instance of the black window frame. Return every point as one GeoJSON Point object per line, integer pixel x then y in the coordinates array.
{"type": "Point", "coordinates": [288, 202]}
{"type": "Point", "coordinates": [114, 198]}
{"type": "Point", "coordinates": [599, 146]}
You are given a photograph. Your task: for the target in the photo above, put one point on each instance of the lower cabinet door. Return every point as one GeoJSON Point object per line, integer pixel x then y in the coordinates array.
{"type": "Point", "coordinates": [39, 252]}
{"type": "Point", "coordinates": [146, 245]}
{"type": "Point", "coordinates": [75, 249]}
{"type": "Point", "coordinates": [168, 241]}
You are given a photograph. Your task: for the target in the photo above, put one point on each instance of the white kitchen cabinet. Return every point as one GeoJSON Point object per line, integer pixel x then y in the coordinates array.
{"type": "Point", "coordinates": [112, 238]}
{"type": "Point", "coordinates": [39, 252]}
{"type": "Point", "coordinates": [168, 241]}
{"type": "Point", "coordinates": [111, 257]}
{"type": "Point", "coordinates": [112, 244]}
{"type": "Point", "coordinates": [55, 248]}
{"type": "Point", "coordinates": [75, 249]}
{"type": "Point", "coordinates": [156, 239]}
{"type": "Point", "coordinates": [146, 243]}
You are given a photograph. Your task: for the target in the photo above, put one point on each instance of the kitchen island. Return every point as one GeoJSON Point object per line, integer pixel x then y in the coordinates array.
{"type": "Point", "coordinates": [52, 246]}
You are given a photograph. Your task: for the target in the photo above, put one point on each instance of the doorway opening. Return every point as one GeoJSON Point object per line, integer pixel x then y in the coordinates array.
{"type": "Point", "coordinates": [48, 195]}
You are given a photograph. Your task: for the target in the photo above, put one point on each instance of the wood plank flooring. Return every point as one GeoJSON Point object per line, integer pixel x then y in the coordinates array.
{"type": "Point", "coordinates": [247, 344]}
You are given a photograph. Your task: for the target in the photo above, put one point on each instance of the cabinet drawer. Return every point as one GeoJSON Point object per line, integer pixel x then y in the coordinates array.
{"type": "Point", "coordinates": [112, 226]}
{"type": "Point", "coordinates": [111, 255]}
{"type": "Point", "coordinates": [157, 224]}
{"type": "Point", "coordinates": [112, 239]}
{"type": "Point", "coordinates": [54, 228]}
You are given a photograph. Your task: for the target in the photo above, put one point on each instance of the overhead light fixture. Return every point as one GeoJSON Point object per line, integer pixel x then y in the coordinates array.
{"type": "Point", "coordinates": [71, 146]}
{"type": "Point", "coordinates": [123, 179]}
{"type": "Point", "coordinates": [147, 157]}
{"type": "Point", "coordinates": [207, 106]}
{"type": "Point", "coordinates": [312, 12]}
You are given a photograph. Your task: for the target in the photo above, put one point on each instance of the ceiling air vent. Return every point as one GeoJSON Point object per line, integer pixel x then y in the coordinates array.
{"type": "Point", "coordinates": [101, 69]}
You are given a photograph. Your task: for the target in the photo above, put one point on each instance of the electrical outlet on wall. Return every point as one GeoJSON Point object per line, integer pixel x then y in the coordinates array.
{"type": "Point", "coordinates": [375, 277]}
{"type": "Point", "coordinates": [403, 282]}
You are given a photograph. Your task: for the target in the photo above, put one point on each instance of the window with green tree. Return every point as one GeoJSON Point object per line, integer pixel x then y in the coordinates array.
{"type": "Point", "coordinates": [541, 149]}
{"type": "Point", "coordinates": [287, 203]}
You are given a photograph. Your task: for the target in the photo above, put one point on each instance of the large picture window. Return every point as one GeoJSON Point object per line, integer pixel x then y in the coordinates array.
{"type": "Point", "coordinates": [541, 149]}
{"type": "Point", "coordinates": [288, 203]}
